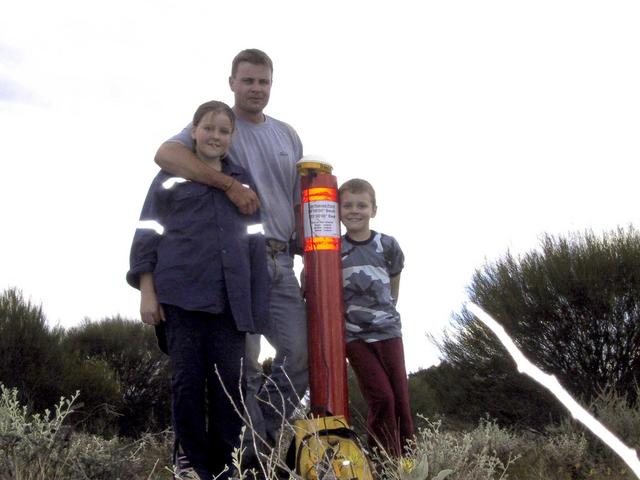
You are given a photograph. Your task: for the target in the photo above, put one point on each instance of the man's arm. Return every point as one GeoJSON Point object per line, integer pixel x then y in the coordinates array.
{"type": "Point", "coordinates": [178, 160]}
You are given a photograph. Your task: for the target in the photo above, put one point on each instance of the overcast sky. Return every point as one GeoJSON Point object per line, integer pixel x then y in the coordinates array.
{"type": "Point", "coordinates": [482, 125]}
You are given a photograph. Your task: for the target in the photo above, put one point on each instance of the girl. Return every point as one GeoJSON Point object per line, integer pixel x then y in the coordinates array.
{"type": "Point", "coordinates": [202, 274]}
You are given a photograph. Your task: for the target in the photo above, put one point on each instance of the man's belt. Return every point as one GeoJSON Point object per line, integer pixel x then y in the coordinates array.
{"type": "Point", "coordinates": [277, 246]}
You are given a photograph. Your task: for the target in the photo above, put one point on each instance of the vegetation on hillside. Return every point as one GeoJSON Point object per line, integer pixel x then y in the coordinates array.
{"type": "Point", "coordinates": [573, 306]}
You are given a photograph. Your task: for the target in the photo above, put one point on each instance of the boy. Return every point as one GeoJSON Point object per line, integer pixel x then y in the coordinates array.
{"type": "Point", "coordinates": [371, 266]}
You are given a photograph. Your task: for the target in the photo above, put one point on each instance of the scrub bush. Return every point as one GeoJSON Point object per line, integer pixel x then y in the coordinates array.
{"type": "Point", "coordinates": [32, 359]}
{"type": "Point", "coordinates": [573, 308]}
{"type": "Point", "coordinates": [619, 415]}
{"type": "Point", "coordinates": [32, 446]}
{"type": "Point", "coordinates": [128, 349]}
{"type": "Point", "coordinates": [485, 453]}
{"type": "Point", "coordinates": [40, 446]}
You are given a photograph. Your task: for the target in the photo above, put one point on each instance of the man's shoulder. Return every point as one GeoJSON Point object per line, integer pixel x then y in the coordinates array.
{"type": "Point", "coordinates": [279, 124]}
{"type": "Point", "coordinates": [246, 129]}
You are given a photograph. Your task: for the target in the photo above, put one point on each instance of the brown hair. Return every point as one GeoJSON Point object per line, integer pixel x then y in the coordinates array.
{"type": "Point", "coordinates": [213, 106]}
{"type": "Point", "coordinates": [253, 56]}
{"type": "Point", "coordinates": [357, 185]}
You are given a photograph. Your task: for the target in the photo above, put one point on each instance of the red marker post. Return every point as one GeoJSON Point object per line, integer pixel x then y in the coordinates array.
{"type": "Point", "coordinates": [323, 287]}
{"type": "Point", "coordinates": [325, 446]}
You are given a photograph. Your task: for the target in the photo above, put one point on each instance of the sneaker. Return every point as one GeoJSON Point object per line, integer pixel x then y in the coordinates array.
{"type": "Point", "coordinates": [187, 474]}
{"type": "Point", "coordinates": [182, 466]}
{"type": "Point", "coordinates": [252, 469]}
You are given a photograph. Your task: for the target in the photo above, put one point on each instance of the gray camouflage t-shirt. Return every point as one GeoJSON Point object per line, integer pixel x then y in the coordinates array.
{"type": "Point", "coordinates": [269, 151]}
{"type": "Point", "coordinates": [367, 268]}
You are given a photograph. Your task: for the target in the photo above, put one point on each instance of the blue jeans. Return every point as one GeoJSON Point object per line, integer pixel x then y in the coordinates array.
{"type": "Point", "coordinates": [289, 380]}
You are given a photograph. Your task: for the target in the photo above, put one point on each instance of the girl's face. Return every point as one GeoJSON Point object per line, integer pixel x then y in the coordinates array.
{"type": "Point", "coordinates": [212, 136]}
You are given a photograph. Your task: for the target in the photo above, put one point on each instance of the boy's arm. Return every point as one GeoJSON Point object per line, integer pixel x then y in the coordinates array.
{"type": "Point", "coordinates": [394, 259]}
{"type": "Point", "coordinates": [395, 288]}
{"type": "Point", "coordinates": [151, 311]}
{"type": "Point", "coordinates": [178, 160]}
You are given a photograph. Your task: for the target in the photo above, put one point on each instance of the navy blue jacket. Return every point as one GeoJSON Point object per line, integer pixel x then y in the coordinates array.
{"type": "Point", "coordinates": [206, 259]}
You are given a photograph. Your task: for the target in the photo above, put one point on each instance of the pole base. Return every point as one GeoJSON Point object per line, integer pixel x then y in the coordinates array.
{"type": "Point", "coordinates": [326, 448]}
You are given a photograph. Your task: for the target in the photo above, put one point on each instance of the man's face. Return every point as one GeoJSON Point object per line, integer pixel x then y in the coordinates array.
{"type": "Point", "coordinates": [251, 86]}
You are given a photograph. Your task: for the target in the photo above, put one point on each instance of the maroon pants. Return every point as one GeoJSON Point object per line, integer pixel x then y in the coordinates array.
{"type": "Point", "coordinates": [382, 377]}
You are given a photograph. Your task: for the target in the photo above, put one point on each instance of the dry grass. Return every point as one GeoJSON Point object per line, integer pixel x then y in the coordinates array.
{"type": "Point", "coordinates": [41, 446]}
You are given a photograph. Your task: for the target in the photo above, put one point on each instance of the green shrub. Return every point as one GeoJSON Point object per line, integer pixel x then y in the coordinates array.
{"type": "Point", "coordinates": [453, 455]}
{"type": "Point", "coordinates": [620, 416]}
{"type": "Point", "coordinates": [101, 402]}
{"type": "Point", "coordinates": [32, 446]}
{"type": "Point", "coordinates": [573, 308]}
{"type": "Point", "coordinates": [41, 447]}
{"type": "Point", "coordinates": [32, 359]}
{"type": "Point", "coordinates": [128, 352]}
{"type": "Point", "coordinates": [37, 363]}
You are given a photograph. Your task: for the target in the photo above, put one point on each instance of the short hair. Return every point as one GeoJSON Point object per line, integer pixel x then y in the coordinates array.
{"type": "Point", "coordinates": [357, 185]}
{"type": "Point", "coordinates": [253, 56]}
{"type": "Point", "coordinates": [213, 106]}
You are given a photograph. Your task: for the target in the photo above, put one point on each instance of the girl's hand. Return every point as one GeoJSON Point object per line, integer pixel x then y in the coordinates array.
{"type": "Point", "coordinates": [151, 311]}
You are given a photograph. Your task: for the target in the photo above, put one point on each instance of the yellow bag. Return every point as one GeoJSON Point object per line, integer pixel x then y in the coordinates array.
{"type": "Point", "coordinates": [328, 449]}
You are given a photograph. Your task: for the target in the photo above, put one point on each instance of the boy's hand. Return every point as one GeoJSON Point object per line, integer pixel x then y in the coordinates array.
{"type": "Point", "coordinates": [243, 197]}
{"type": "Point", "coordinates": [303, 284]}
{"type": "Point", "coordinates": [151, 311]}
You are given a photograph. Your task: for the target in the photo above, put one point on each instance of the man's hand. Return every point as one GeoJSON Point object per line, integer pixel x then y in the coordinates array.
{"type": "Point", "coordinates": [180, 161]}
{"type": "Point", "coordinates": [244, 198]}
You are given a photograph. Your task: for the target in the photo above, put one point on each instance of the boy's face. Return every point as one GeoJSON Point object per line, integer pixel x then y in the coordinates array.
{"type": "Point", "coordinates": [356, 209]}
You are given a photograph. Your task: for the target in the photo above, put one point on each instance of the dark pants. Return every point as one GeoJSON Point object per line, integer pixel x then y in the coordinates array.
{"type": "Point", "coordinates": [205, 423]}
{"type": "Point", "coordinates": [382, 377]}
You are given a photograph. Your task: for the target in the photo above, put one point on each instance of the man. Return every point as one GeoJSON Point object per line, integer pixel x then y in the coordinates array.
{"type": "Point", "coordinates": [269, 150]}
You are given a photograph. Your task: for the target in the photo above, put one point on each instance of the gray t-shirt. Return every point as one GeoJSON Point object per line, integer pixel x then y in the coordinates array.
{"type": "Point", "coordinates": [269, 151]}
{"type": "Point", "coordinates": [367, 268]}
